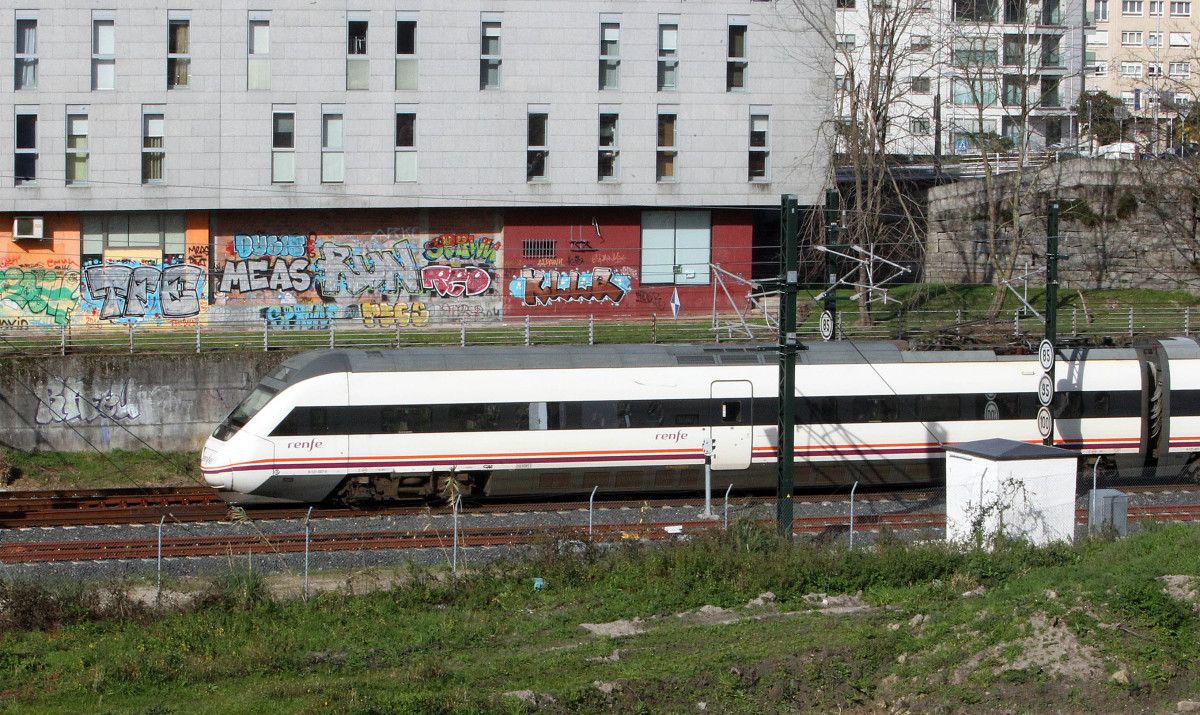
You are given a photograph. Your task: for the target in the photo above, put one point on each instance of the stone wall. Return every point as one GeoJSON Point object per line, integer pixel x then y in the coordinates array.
{"type": "Point", "coordinates": [1123, 224]}
{"type": "Point", "coordinates": [78, 403]}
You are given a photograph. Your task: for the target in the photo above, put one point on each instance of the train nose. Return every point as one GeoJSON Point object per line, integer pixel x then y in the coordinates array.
{"type": "Point", "coordinates": [215, 479]}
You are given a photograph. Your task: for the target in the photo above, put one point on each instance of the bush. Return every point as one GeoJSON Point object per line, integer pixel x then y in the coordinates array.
{"type": "Point", "coordinates": [27, 605]}
{"type": "Point", "coordinates": [237, 589]}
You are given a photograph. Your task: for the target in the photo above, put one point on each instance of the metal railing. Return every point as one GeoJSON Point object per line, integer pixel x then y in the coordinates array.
{"type": "Point", "coordinates": [1119, 324]}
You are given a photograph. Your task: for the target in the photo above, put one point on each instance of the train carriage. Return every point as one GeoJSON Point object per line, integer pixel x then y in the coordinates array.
{"type": "Point", "coordinates": [378, 424]}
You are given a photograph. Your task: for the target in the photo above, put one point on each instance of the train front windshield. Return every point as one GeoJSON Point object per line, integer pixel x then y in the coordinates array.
{"type": "Point", "coordinates": [242, 414]}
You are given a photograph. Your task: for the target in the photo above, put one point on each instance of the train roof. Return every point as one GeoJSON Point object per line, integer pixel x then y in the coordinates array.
{"type": "Point", "coordinates": [519, 357]}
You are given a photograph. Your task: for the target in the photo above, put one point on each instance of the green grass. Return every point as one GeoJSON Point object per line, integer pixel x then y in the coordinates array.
{"type": "Point", "coordinates": [435, 645]}
{"type": "Point", "coordinates": [85, 470]}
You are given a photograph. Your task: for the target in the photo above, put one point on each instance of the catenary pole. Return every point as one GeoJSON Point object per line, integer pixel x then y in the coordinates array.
{"type": "Point", "coordinates": [788, 286]}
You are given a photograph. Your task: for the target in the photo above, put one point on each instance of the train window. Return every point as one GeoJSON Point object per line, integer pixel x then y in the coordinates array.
{"type": "Point", "coordinates": [938, 408]}
{"type": "Point", "coordinates": [538, 416]}
{"type": "Point", "coordinates": [731, 412]}
{"type": "Point", "coordinates": [246, 410]}
{"type": "Point", "coordinates": [654, 414]}
{"type": "Point", "coordinates": [599, 415]}
{"type": "Point", "coordinates": [687, 419]}
{"type": "Point", "coordinates": [1096, 404]}
{"type": "Point", "coordinates": [820, 410]}
{"type": "Point", "coordinates": [406, 418]}
{"type": "Point", "coordinates": [1067, 406]}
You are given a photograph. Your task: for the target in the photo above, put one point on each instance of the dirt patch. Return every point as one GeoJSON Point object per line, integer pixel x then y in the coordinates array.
{"type": "Point", "coordinates": [615, 629]}
{"type": "Point", "coordinates": [1050, 648]}
{"type": "Point", "coordinates": [1182, 588]}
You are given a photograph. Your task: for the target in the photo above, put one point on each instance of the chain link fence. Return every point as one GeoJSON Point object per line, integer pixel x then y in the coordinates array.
{"type": "Point", "coordinates": [928, 328]}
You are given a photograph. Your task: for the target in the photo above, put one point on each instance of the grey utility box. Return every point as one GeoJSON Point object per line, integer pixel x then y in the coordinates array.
{"type": "Point", "coordinates": [1108, 509]}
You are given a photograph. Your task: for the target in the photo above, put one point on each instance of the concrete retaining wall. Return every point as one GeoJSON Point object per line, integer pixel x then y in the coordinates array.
{"type": "Point", "coordinates": [82, 402]}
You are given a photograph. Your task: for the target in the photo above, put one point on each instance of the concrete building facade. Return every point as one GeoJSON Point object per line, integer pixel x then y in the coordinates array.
{"type": "Point", "coordinates": [1143, 52]}
{"type": "Point", "coordinates": [965, 68]}
{"type": "Point", "coordinates": [474, 160]}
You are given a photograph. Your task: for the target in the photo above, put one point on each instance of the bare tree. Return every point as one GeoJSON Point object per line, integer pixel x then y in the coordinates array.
{"type": "Point", "coordinates": [1000, 52]}
{"type": "Point", "coordinates": [884, 52]}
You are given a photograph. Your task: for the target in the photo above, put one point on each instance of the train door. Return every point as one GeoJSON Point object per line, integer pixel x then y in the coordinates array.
{"type": "Point", "coordinates": [732, 430]}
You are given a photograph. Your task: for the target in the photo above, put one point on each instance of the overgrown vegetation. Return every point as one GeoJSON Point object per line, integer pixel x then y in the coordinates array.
{"type": "Point", "coordinates": [118, 468]}
{"type": "Point", "coordinates": [941, 629]}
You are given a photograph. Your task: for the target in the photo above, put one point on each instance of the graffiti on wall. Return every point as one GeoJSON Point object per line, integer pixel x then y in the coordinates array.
{"type": "Point", "coordinates": [534, 286]}
{"type": "Point", "coordinates": [65, 401]}
{"type": "Point", "coordinates": [37, 296]}
{"type": "Point", "coordinates": [128, 289]}
{"type": "Point", "coordinates": [391, 278]}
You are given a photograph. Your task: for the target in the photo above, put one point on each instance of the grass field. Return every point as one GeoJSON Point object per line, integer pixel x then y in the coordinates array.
{"type": "Point", "coordinates": [924, 628]}
{"type": "Point", "coordinates": [84, 470]}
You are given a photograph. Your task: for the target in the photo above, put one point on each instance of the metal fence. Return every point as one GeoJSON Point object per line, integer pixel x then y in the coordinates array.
{"type": "Point", "coordinates": [1115, 323]}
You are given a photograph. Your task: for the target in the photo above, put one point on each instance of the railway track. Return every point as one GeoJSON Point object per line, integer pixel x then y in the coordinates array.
{"type": "Point", "coordinates": [267, 544]}
{"type": "Point", "coordinates": [80, 507]}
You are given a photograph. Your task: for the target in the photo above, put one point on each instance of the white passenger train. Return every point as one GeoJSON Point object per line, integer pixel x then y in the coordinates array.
{"type": "Point", "coordinates": [377, 424]}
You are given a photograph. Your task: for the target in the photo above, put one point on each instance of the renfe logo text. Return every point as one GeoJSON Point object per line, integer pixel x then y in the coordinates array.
{"type": "Point", "coordinates": [309, 445]}
{"type": "Point", "coordinates": [676, 436]}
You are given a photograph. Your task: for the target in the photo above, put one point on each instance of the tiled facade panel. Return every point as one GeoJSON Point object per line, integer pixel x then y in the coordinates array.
{"type": "Point", "coordinates": [470, 143]}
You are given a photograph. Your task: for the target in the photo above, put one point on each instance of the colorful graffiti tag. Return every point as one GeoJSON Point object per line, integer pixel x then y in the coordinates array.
{"type": "Point", "coordinates": [384, 315]}
{"type": "Point", "coordinates": [65, 401]}
{"type": "Point", "coordinates": [37, 295]}
{"type": "Point", "coordinates": [127, 289]}
{"type": "Point", "coordinates": [391, 277]}
{"type": "Point", "coordinates": [535, 286]}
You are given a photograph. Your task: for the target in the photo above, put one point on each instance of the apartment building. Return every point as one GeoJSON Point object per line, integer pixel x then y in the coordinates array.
{"type": "Point", "coordinates": [949, 72]}
{"type": "Point", "coordinates": [395, 164]}
{"type": "Point", "coordinates": [1141, 51]}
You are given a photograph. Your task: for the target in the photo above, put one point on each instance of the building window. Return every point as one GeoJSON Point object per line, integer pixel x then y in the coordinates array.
{"type": "Point", "coordinates": [1180, 39]}
{"type": "Point", "coordinates": [104, 61]}
{"type": "Point", "coordinates": [25, 148]}
{"type": "Point", "coordinates": [406, 144]}
{"type": "Point", "coordinates": [283, 147]}
{"type": "Point", "coordinates": [668, 53]}
{"type": "Point", "coordinates": [845, 43]}
{"type": "Point", "coordinates": [489, 54]}
{"type": "Point", "coordinates": [920, 43]}
{"type": "Point", "coordinates": [1100, 69]}
{"type": "Point", "coordinates": [258, 49]}
{"type": "Point", "coordinates": [538, 248]}
{"type": "Point", "coordinates": [735, 65]}
{"type": "Point", "coordinates": [77, 147]}
{"type": "Point", "coordinates": [25, 75]}
{"type": "Point", "coordinates": [1156, 8]}
{"type": "Point", "coordinates": [333, 152]}
{"type": "Point", "coordinates": [1180, 70]}
{"type": "Point", "coordinates": [1181, 9]}
{"type": "Point", "coordinates": [1154, 69]}
{"type": "Point", "coordinates": [358, 66]}
{"type": "Point", "coordinates": [1131, 7]}
{"type": "Point", "coordinates": [667, 151]}
{"type": "Point", "coordinates": [1131, 39]}
{"type": "Point", "coordinates": [536, 153]}
{"type": "Point", "coordinates": [608, 156]}
{"type": "Point", "coordinates": [1100, 10]}
{"type": "Point", "coordinates": [1131, 69]}
{"type": "Point", "coordinates": [610, 53]}
{"type": "Point", "coordinates": [760, 150]}
{"type": "Point", "coordinates": [153, 151]}
{"type": "Point", "coordinates": [972, 93]}
{"type": "Point", "coordinates": [676, 247]}
{"type": "Point", "coordinates": [1153, 39]}
{"type": "Point", "coordinates": [918, 126]}
{"type": "Point", "coordinates": [406, 53]}
{"type": "Point", "coordinates": [124, 236]}
{"type": "Point", "coordinates": [921, 85]}
{"type": "Point", "coordinates": [178, 53]}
